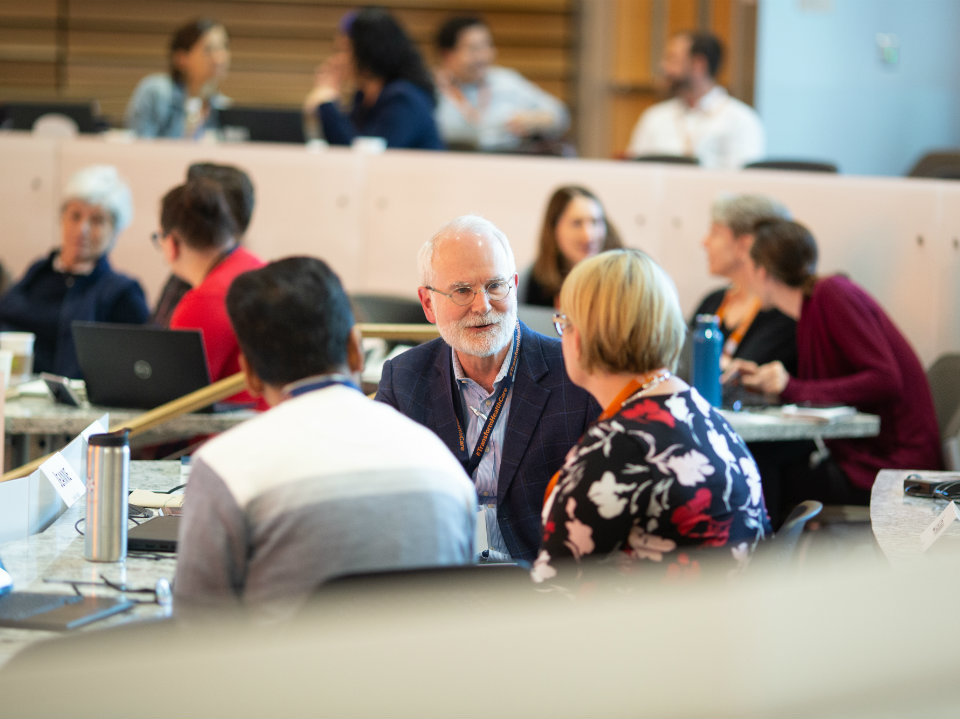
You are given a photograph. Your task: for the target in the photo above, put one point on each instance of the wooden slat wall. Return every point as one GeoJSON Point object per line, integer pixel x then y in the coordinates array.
{"type": "Point", "coordinates": [100, 49]}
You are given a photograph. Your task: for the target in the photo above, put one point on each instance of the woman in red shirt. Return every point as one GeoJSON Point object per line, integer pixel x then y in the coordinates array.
{"type": "Point", "coordinates": [198, 242]}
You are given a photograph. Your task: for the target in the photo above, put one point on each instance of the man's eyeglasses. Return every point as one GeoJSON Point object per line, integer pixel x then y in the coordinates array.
{"type": "Point", "coordinates": [560, 323]}
{"type": "Point", "coordinates": [496, 290]}
{"type": "Point", "coordinates": [155, 238]}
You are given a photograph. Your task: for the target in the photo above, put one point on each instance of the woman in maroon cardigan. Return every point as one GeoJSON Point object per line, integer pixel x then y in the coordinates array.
{"type": "Point", "coordinates": [848, 352]}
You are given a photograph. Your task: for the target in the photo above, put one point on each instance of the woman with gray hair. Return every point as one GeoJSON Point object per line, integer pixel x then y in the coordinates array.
{"type": "Point", "coordinates": [75, 281]}
{"type": "Point", "coordinates": [750, 332]}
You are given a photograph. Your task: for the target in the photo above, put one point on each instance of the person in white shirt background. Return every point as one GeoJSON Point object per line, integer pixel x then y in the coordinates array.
{"type": "Point", "coordinates": [483, 106]}
{"type": "Point", "coordinates": [701, 119]}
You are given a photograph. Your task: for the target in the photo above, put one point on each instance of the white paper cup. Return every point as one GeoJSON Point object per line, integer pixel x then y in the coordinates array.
{"type": "Point", "coordinates": [20, 346]}
{"type": "Point", "coordinates": [369, 145]}
{"type": "Point", "coordinates": [6, 362]}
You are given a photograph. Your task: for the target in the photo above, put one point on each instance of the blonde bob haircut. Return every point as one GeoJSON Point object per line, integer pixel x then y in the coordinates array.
{"type": "Point", "coordinates": [627, 312]}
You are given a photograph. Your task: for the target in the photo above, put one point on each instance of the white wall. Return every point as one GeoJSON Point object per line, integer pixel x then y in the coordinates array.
{"type": "Point", "coordinates": [368, 214]}
{"type": "Point", "coordinates": [824, 93]}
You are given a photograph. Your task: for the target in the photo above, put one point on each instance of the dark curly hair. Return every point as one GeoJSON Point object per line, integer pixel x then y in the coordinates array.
{"type": "Point", "coordinates": [382, 48]}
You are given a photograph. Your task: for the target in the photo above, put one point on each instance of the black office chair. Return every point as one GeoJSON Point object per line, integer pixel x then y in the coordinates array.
{"type": "Point", "coordinates": [389, 309]}
{"type": "Point", "coordinates": [781, 550]}
{"type": "Point", "coordinates": [262, 124]}
{"type": "Point", "coordinates": [796, 165]}
{"type": "Point", "coordinates": [667, 159]}
{"type": "Point", "coordinates": [940, 165]}
{"type": "Point", "coordinates": [944, 380]}
{"type": "Point", "coordinates": [24, 115]}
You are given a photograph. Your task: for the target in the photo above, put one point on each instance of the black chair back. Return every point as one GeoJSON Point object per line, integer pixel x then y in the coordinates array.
{"type": "Point", "coordinates": [795, 165]}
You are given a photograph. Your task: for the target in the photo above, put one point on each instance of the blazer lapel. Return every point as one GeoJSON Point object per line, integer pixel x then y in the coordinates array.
{"type": "Point", "coordinates": [526, 405]}
{"type": "Point", "coordinates": [437, 398]}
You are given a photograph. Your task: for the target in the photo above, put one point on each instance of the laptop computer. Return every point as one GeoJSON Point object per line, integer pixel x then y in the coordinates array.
{"type": "Point", "coordinates": [261, 124]}
{"type": "Point", "coordinates": [53, 612]}
{"type": "Point", "coordinates": [139, 366]}
{"type": "Point", "coordinates": [155, 535]}
{"type": "Point", "coordinates": [56, 612]}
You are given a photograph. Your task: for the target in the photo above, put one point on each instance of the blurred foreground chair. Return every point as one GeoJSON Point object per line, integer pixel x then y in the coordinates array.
{"type": "Point", "coordinates": [944, 379]}
{"type": "Point", "coordinates": [781, 550]}
{"type": "Point", "coordinates": [797, 165]}
{"type": "Point", "coordinates": [940, 164]}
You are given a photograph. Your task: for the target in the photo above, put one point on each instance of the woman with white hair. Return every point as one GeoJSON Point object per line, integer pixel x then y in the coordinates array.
{"type": "Point", "coordinates": [75, 281]}
{"type": "Point", "coordinates": [750, 331]}
{"type": "Point", "coordinates": [660, 472]}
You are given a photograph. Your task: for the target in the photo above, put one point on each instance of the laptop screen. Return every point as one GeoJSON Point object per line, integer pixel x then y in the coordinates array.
{"type": "Point", "coordinates": [139, 366]}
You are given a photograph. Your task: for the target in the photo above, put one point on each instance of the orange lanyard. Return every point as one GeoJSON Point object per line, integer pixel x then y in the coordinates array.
{"type": "Point", "coordinates": [733, 341]}
{"type": "Point", "coordinates": [633, 387]}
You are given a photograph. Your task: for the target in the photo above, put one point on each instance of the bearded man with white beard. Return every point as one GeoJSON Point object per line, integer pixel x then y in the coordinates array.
{"type": "Point", "coordinates": [493, 390]}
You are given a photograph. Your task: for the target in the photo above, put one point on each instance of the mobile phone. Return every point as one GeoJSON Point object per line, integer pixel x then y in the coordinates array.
{"type": "Point", "coordinates": [61, 390]}
{"type": "Point", "coordinates": [915, 486]}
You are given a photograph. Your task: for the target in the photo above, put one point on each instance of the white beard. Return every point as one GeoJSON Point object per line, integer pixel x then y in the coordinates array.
{"type": "Point", "coordinates": [484, 344]}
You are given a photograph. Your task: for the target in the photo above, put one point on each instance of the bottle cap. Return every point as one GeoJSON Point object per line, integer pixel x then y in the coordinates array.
{"type": "Point", "coordinates": [120, 438]}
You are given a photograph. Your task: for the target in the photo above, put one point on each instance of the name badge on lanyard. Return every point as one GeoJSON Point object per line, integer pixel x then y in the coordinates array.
{"type": "Point", "coordinates": [472, 461]}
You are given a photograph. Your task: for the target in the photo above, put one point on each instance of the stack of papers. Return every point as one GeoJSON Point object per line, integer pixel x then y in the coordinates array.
{"type": "Point", "coordinates": [818, 414]}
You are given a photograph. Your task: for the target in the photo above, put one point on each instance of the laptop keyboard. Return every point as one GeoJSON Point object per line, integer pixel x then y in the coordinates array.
{"type": "Point", "coordinates": [17, 606]}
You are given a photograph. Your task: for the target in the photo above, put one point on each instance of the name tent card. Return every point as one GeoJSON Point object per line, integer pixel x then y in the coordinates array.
{"type": "Point", "coordinates": [932, 533]}
{"type": "Point", "coordinates": [65, 481]}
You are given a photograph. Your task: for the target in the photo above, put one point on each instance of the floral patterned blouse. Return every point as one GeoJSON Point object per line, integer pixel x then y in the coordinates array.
{"type": "Point", "coordinates": [663, 472]}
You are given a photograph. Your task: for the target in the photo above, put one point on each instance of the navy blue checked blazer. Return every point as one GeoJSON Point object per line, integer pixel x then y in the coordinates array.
{"type": "Point", "coordinates": [548, 414]}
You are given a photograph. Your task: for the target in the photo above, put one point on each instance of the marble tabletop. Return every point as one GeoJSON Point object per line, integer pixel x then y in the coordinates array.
{"type": "Point", "coordinates": [770, 424]}
{"type": "Point", "coordinates": [41, 415]}
{"type": "Point", "coordinates": [898, 520]}
{"type": "Point", "coordinates": [57, 554]}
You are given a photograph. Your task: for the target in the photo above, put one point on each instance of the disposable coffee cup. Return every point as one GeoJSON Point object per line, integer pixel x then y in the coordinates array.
{"type": "Point", "coordinates": [369, 145]}
{"type": "Point", "coordinates": [6, 364]}
{"type": "Point", "coordinates": [20, 346]}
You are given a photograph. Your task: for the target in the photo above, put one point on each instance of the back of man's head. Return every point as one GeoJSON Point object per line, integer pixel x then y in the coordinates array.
{"type": "Point", "coordinates": [292, 319]}
{"type": "Point", "coordinates": [237, 189]}
{"type": "Point", "coordinates": [707, 46]}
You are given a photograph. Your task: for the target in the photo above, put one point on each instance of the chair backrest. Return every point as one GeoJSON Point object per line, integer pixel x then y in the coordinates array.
{"type": "Point", "coordinates": [781, 550]}
{"type": "Point", "coordinates": [796, 165]}
{"type": "Point", "coordinates": [389, 309]}
{"type": "Point", "coordinates": [940, 164]}
{"type": "Point", "coordinates": [668, 159]}
{"type": "Point", "coordinates": [944, 379]}
{"type": "Point", "coordinates": [25, 115]}
{"type": "Point", "coordinates": [537, 318]}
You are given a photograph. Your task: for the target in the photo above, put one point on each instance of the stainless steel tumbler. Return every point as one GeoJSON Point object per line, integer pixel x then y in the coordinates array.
{"type": "Point", "coordinates": [108, 473]}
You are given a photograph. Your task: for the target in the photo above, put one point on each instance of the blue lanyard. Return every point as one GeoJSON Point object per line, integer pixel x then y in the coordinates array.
{"type": "Point", "coordinates": [310, 384]}
{"type": "Point", "coordinates": [471, 462]}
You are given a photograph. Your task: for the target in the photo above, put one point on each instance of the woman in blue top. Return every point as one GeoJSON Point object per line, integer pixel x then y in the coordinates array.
{"type": "Point", "coordinates": [184, 101]}
{"type": "Point", "coordinates": [395, 96]}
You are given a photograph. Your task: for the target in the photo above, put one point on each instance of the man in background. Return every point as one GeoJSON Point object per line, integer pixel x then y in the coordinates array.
{"type": "Point", "coordinates": [325, 483]}
{"type": "Point", "coordinates": [493, 390]}
{"type": "Point", "coordinates": [485, 107]}
{"type": "Point", "coordinates": [700, 120]}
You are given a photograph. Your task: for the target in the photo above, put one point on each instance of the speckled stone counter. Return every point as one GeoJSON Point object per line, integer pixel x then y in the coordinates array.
{"type": "Point", "coordinates": [771, 425]}
{"type": "Point", "coordinates": [36, 415]}
{"type": "Point", "coordinates": [898, 520]}
{"type": "Point", "coordinates": [57, 553]}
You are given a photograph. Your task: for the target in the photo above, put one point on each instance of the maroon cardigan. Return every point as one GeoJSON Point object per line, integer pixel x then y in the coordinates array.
{"type": "Point", "coordinates": [850, 352]}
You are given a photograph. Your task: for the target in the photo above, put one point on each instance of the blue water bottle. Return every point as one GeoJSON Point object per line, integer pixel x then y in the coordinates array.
{"type": "Point", "coordinates": [707, 346]}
